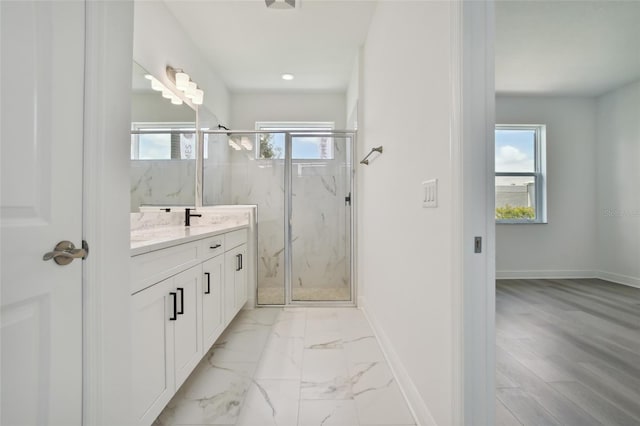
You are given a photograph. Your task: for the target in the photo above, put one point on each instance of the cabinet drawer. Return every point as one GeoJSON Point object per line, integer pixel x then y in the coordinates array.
{"type": "Point", "coordinates": [150, 268]}
{"type": "Point", "coordinates": [212, 246]}
{"type": "Point", "coordinates": [235, 238]}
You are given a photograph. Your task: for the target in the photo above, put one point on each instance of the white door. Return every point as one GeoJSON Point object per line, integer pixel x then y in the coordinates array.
{"type": "Point", "coordinates": [42, 75]}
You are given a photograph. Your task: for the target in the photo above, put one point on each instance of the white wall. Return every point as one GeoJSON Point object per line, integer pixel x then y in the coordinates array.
{"type": "Point", "coordinates": [405, 251]}
{"type": "Point", "coordinates": [247, 108]}
{"type": "Point", "coordinates": [618, 180]}
{"type": "Point", "coordinates": [566, 245]}
{"type": "Point", "coordinates": [353, 93]}
{"type": "Point", "coordinates": [159, 40]}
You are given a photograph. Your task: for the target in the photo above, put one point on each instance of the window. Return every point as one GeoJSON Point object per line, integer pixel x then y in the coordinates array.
{"type": "Point", "coordinates": [164, 141]}
{"type": "Point", "coordinates": [520, 174]}
{"type": "Point", "coordinates": [271, 145]}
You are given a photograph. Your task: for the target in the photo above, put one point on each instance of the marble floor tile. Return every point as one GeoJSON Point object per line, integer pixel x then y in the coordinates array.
{"type": "Point", "coordinates": [318, 338]}
{"type": "Point", "coordinates": [328, 413]}
{"type": "Point", "coordinates": [378, 398]}
{"type": "Point", "coordinates": [363, 349]}
{"type": "Point", "coordinates": [290, 324]}
{"type": "Point", "coordinates": [281, 358]}
{"type": "Point", "coordinates": [259, 316]}
{"type": "Point", "coordinates": [271, 402]}
{"type": "Point", "coordinates": [212, 395]}
{"type": "Point", "coordinates": [325, 375]}
{"type": "Point", "coordinates": [240, 343]}
{"type": "Point", "coordinates": [291, 366]}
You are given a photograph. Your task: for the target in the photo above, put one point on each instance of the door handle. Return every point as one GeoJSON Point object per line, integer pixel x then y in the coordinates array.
{"type": "Point", "coordinates": [66, 251]}
{"type": "Point", "coordinates": [175, 302]}
{"type": "Point", "coordinates": [208, 275]}
{"type": "Point", "coordinates": [181, 290]}
{"type": "Point", "coordinates": [238, 262]}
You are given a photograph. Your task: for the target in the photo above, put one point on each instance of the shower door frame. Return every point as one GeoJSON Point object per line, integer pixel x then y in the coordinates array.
{"type": "Point", "coordinates": [288, 203]}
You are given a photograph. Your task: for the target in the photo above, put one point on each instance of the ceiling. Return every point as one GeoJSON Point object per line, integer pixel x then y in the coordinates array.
{"type": "Point", "coordinates": [251, 46]}
{"type": "Point", "coordinates": [542, 47]}
{"type": "Point", "coordinates": [566, 47]}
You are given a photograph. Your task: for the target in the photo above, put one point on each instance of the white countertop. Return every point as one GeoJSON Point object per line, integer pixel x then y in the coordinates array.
{"type": "Point", "coordinates": [156, 238]}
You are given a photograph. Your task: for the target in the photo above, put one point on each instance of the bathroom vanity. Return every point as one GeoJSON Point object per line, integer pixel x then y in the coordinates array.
{"type": "Point", "coordinates": [187, 284]}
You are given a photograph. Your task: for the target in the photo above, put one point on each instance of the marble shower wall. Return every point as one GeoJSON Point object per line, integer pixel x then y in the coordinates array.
{"type": "Point", "coordinates": [217, 172]}
{"type": "Point", "coordinates": [172, 182]}
{"type": "Point", "coordinates": [162, 182]}
{"type": "Point", "coordinates": [319, 222]}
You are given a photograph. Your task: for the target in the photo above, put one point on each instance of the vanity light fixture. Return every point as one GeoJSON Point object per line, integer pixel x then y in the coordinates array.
{"type": "Point", "coordinates": [184, 83]}
{"type": "Point", "coordinates": [246, 144]}
{"type": "Point", "coordinates": [234, 145]}
{"type": "Point", "coordinates": [166, 93]}
{"type": "Point", "coordinates": [287, 77]}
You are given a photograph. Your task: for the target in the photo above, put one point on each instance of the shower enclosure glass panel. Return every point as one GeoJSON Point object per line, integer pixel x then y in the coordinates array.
{"type": "Point", "coordinates": [302, 186]}
{"type": "Point", "coordinates": [320, 218]}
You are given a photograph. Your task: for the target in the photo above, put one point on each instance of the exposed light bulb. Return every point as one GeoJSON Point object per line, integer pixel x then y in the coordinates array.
{"type": "Point", "coordinates": [190, 91]}
{"type": "Point", "coordinates": [176, 100]}
{"type": "Point", "coordinates": [244, 141]}
{"type": "Point", "coordinates": [198, 97]}
{"type": "Point", "coordinates": [234, 145]}
{"type": "Point", "coordinates": [182, 80]}
{"type": "Point", "coordinates": [167, 94]}
{"type": "Point", "coordinates": [156, 85]}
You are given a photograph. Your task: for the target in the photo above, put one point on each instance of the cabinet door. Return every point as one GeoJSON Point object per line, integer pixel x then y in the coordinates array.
{"type": "Point", "coordinates": [152, 334]}
{"type": "Point", "coordinates": [235, 292]}
{"type": "Point", "coordinates": [187, 326]}
{"type": "Point", "coordinates": [240, 281]}
{"type": "Point", "coordinates": [212, 320]}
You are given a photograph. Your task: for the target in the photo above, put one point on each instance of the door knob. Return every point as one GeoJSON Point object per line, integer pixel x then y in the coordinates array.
{"type": "Point", "coordinates": [66, 251]}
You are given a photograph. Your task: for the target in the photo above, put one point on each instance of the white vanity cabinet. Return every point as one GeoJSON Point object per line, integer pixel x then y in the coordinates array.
{"type": "Point", "coordinates": [235, 259]}
{"type": "Point", "coordinates": [166, 321]}
{"type": "Point", "coordinates": [183, 296]}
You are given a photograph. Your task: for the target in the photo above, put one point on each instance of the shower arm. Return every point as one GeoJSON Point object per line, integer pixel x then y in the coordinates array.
{"type": "Point", "coordinates": [365, 160]}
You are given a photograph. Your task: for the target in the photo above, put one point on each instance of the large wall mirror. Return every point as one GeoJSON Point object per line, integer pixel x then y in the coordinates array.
{"type": "Point", "coordinates": [163, 147]}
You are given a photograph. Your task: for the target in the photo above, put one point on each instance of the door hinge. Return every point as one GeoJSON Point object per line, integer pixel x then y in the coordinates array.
{"type": "Point", "coordinates": [347, 200]}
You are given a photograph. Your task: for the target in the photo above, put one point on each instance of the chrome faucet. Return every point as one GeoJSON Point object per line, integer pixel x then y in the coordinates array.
{"type": "Point", "coordinates": [188, 215]}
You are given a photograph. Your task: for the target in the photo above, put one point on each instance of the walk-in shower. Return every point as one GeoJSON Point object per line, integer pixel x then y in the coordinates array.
{"type": "Point", "coordinates": [302, 183]}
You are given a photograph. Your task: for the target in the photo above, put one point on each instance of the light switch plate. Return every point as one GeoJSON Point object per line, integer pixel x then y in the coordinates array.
{"type": "Point", "coordinates": [430, 193]}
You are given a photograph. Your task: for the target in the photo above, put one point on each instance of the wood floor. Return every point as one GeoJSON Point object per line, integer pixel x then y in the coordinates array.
{"type": "Point", "coordinates": [567, 353]}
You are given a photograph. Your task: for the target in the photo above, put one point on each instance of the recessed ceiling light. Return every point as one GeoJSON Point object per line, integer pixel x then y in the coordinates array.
{"type": "Point", "coordinates": [287, 77]}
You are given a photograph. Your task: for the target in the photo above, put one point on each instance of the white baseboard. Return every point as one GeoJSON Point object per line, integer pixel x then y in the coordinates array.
{"type": "Point", "coordinates": [418, 408]}
{"type": "Point", "coordinates": [531, 275]}
{"type": "Point", "coordinates": [618, 278]}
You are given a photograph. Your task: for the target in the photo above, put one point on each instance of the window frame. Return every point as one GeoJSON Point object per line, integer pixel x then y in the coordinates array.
{"type": "Point", "coordinates": [293, 127]}
{"type": "Point", "coordinates": [539, 174]}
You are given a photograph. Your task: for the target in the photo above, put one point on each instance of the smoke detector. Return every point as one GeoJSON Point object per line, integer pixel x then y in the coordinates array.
{"type": "Point", "coordinates": [281, 4]}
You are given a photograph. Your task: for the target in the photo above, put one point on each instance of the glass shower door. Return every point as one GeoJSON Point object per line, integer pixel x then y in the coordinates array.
{"type": "Point", "coordinates": [320, 217]}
